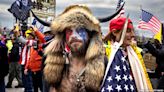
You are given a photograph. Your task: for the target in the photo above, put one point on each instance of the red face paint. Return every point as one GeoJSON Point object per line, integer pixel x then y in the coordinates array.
{"type": "Point", "coordinates": [68, 34]}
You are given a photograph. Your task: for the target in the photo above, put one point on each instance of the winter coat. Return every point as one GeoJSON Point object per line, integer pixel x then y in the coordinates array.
{"type": "Point", "coordinates": [35, 60]}
{"type": "Point", "coordinates": [14, 55]}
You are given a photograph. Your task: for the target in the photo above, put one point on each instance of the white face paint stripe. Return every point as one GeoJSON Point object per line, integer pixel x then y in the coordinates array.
{"type": "Point", "coordinates": [75, 34]}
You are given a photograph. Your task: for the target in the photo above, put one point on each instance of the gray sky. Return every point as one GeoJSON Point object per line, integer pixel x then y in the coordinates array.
{"type": "Point", "coordinates": [99, 8]}
{"type": "Point", "coordinates": [131, 6]}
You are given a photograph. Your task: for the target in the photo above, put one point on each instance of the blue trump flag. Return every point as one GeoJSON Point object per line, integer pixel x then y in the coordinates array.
{"type": "Point", "coordinates": [19, 10]}
{"type": "Point", "coordinates": [119, 76]}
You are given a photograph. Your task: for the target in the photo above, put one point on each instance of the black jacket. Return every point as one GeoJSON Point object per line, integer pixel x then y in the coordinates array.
{"type": "Point", "coordinates": [14, 55]}
{"type": "Point", "coordinates": [4, 67]}
{"type": "Point", "coordinates": [159, 54]}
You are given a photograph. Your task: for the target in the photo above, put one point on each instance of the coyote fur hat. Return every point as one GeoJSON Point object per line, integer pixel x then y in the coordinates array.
{"type": "Point", "coordinates": [75, 16]}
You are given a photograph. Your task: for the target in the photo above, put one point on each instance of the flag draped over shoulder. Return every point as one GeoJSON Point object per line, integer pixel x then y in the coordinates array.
{"type": "Point", "coordinates": [119, 78]}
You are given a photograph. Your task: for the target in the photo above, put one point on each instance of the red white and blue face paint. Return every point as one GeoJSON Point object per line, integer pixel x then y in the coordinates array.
{"type": "Point", "coordinates": [77, 38]}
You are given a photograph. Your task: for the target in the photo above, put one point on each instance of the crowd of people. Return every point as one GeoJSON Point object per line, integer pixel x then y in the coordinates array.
{"type": "Point", "coordinates": [74, 56]}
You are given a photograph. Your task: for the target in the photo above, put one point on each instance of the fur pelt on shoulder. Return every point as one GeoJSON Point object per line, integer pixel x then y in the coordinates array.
{"type": "Point", "coordinates": [75, 16]}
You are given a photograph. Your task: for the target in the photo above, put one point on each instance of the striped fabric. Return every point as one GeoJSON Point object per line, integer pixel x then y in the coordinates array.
{"type": "Point", "coordinates": [149, 22]}
{"type": "Point", "coordinates": [26, 52]}
{"type": "Point", "coordinates": [141, 78]}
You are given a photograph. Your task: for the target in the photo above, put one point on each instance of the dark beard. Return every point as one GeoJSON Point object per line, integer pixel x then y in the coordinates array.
{"type": "Point", "coordinates": [80, 52]}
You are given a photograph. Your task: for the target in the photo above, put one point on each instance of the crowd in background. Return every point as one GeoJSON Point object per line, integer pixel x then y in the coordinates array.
{"type": "Point", "coordinates": [15, 50]}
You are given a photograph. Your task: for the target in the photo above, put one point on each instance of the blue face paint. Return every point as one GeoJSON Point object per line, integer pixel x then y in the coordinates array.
{"type": "Point", "coordinates": [83, 34]}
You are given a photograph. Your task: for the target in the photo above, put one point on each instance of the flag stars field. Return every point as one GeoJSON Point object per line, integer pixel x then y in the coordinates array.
{"type": "Point", "coordinates": [126, 87]}
{"type": "Point", "coordinates": [109, 88]}
{"type": "Point", "coordinates": [118, 87]}
{"type": "Point", "coordinates": [131, 87]}
{"type": "Point", "coordinates": [109, 78]}
{"type": "Point", "coordinates": [123, 59]}
{"type": "Point", "coordinates": [117, 68]}
{"type": "Point", "coordinates": [124, 67]}
{"type": "Point", "coordinates": [125, 77]}
{"type": "Point", "coordinates": [130, 77]}
{"type": "Point", "coordinates": [118, 77]}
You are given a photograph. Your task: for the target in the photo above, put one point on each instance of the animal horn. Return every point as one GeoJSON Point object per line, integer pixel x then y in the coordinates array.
{"type": "Point", "coordinates": [40, 20]}
{"type": "Point", "coordinates": [105, 19]}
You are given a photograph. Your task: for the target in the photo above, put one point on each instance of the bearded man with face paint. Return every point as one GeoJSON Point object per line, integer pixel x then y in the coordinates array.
{"type": "Point", "coordinates": [77, 40]}
{"type": "Point", "coordinates": [75, 57]}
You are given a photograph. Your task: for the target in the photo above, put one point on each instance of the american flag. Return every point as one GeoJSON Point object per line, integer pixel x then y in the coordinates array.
{"type": "Point", "coordinates": [118, 77]}
{"type": "Point", "coordinates": [149, 22]}
{"type": "Point", "coordinates": [122, 12]}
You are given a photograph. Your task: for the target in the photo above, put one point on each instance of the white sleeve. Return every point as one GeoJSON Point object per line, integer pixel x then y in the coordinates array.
{"type": "Point", "coordinates": [22, 39]}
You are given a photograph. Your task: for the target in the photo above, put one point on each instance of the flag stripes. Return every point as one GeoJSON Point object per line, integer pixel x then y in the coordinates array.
{"type": "Point", "coordinates": [149, 22]}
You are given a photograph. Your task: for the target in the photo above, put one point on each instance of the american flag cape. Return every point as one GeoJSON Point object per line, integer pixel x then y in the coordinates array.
{"type": "Point", "coordinates": [116, 79]}
{"type": "Point", "coordinates": [119, 78]}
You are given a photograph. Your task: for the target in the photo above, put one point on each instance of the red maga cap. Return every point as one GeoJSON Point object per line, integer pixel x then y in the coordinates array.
{"type": "Point", "coordinates": [118, 24]}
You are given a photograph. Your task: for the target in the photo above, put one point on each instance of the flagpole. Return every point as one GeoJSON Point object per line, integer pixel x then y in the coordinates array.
{"type": "Point", "coordinates": [162, 28]}
{"type": "Point", "coordinates": [30, 18]}
{"type": "Point", "coordinates": [17, 22]}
